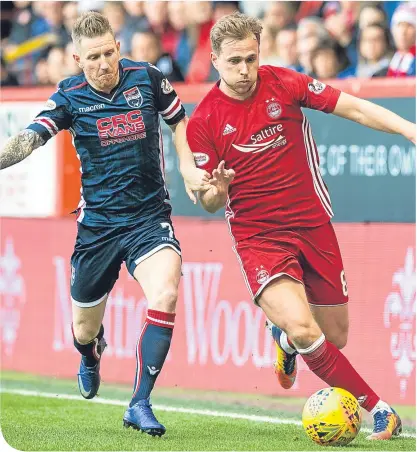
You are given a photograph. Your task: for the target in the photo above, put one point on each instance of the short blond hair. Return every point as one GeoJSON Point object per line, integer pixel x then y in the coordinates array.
{"type": "Point", "coordinates": [90, 25]}
{"type": "Point", "coordinates": [236, 26]}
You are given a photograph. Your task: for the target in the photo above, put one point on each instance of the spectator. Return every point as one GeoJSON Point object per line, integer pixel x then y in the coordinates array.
{"type": "Point", "coordinates": [183, 29]}
{"type": "Point", "coordinates": [328, 9]}
{"type": "Point", "coordinates": [56, 65]}
{"type": "Point", "coordinates": [6, 77]}
{"type": "Point", "coordinates": [200, 19]}
{"type": "Point", "coordinates": [199, 13]}
{"type": "Point", "coordinates": [71, 67]}
{"type": "Point", "coordinates": [22, 25]}
{"type": "Point", "coordinates": [329, 60]}
{"type": "Point", "coordinates": [69, 16]}
{"type": "Point", "coordinates": [177, 15]}
{"type": "Point", "coordinates": [26, 25]}
{"type": "Point", "coordinates": [374, 51]}
{"type": "Point", "coordinates": [403, 28]}
{"type": "Point", "coordinates": [371, 14]}
{"type": "Point", "coordinates": [279, 14]}
{"type": "Point", "coordinates": [342, 28]}
{"type": "Point", "coordinates": [305, 49]}
{"type": "Point", "coordinates": [223, 8]}
{"type": "Point", "coordinates": [136, 18]}
{"type": "Point", "coordinates": [286, 45]}
{"type": "Point", "coordinates": [251, 8]}
{"type": "Point", "coordinates": [178, 20]}
{"type": "Point", "coordinates": [116, 14]}
{"type": "Point", "coordinates": [6, 17]}
{"type": "Point", "coordinates": [41, 72]}
{"type": "Point", "coordinates": [157, 15]}
{"type": "Point", "coordinates": [347, 8]}
{"type": "Point", "coordinates": [310, 8]}
{"type": "Point", "coordinates": [146, 46]}
{"type": "Point", "coordinates": [311, 26]}
{"type": "Point", "coordinates": [52, 14]}
{"type": "Point", "coordinates": [267, 48]}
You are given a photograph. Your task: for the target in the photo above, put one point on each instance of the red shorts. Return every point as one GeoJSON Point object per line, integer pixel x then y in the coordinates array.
{"type": "Point", "coordinates": [309, 255]}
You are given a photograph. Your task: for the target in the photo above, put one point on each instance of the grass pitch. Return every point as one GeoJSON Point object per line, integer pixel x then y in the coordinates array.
{"type": "Point", "coordinates": [48, 414]}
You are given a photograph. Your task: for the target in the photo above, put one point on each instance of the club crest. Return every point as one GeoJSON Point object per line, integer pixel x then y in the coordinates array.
{"type": "Point", "coordinates": [133, 97]}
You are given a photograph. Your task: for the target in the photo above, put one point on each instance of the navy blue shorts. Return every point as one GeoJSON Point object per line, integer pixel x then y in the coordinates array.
{"type": "Point", "coordinates": [100, 251]}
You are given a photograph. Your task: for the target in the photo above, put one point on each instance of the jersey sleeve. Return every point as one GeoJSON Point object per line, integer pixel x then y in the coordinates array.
{"type": "Point", "coordinates": [54, 117]}
{"type": "Point", "coordinates": [310, 93]}
{"type": "Point", "coordinates": [205, 154]}
{"type": "Point", "coordinates": [167, 102]}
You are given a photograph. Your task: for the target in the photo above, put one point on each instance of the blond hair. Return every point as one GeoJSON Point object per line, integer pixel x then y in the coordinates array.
{"type": "Point", "coordinates": [90, 25]}
{"type": "Point", "coordinates": [236, 26]}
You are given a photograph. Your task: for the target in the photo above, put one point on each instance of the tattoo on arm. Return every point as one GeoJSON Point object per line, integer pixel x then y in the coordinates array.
{"type": "Point", "coordinates": [19, 147]}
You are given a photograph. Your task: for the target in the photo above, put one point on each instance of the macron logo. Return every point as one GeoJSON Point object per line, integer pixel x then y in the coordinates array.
{"type": "Point", "coordinates": [228, 129]}
{"type": "Point", "coordinates": [91, 108]}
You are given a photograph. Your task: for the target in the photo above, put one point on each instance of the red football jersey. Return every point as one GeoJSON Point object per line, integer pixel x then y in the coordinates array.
{"type": "Point", "coordinates": [268, 141]}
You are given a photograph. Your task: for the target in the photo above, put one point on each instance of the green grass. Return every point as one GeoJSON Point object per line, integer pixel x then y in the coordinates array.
{"type": "Point", "coordinates": [39, 423]}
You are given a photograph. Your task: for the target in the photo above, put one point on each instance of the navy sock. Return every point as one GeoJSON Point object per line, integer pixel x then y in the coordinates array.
{"type": "Point", "coordinates": [90, 352]}
{"type": "Point", "coordinates": [151, 350]}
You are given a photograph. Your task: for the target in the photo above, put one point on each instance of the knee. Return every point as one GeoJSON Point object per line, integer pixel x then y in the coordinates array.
{"type": "Point", "coordinates": [303, 333]}
{"type": "Point", "coordinates": [84, 332]}
{"type": "Point", "coordinates": [166, 300]}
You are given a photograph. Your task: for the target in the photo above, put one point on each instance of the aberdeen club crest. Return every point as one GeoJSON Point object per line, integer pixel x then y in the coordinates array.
{"type": "Point", "coordinates": [273, 108]}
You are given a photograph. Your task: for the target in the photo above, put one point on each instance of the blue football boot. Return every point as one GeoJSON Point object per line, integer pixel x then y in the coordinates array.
{"type": "Point", "coordinates": [89, 377]}
{"type": "Point", "coordinates": [386, 425]}
{"type": "Point", "coordinates": [140, 417]}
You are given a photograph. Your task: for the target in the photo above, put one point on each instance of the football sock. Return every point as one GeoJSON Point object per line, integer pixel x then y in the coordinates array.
{"type": "Point", "coordinates": [151, 350]}
{"type": "Point", "coordinates": [90, 353]}
{"type": "Point", "coordinates": [329, 364]}
{"type": "Point", "coordinates": [381, 406]}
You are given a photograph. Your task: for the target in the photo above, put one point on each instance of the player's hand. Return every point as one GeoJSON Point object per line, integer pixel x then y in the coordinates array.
{"type": "Point", "coordinates": [195, 179]}
{"type": "Point", "coordinates": [221, 179]}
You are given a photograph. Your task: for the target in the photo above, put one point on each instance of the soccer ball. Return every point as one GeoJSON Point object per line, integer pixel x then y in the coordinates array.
{"type": "Point", "coordinates": [332, 417]}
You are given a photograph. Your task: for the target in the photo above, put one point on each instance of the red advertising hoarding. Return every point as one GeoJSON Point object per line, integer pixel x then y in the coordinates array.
{"type": "Point", "coordinates": [220, 342]}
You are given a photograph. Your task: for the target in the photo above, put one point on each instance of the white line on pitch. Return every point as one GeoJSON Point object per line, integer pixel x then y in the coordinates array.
{"type": "Point", "coordinates": [227, 414]}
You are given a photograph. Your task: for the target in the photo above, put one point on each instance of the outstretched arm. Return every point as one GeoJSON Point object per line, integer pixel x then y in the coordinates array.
{"type": "Point", "coordinates": [19, 147]}
{"type": "Point", "coordinates": [215, 198]}
{"type": "Point", "coordinates": [195, 179]}
{"type": "Point", "coordinates": [374, 116]}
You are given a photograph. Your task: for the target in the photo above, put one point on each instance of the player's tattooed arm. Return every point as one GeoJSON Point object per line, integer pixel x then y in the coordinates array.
{"type": "Point", "coordinates": [20, 146]}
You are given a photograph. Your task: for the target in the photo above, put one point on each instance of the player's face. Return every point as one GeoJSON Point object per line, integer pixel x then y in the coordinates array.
{"type": "Point", "coordinates": [99, 59]}
{"type": "Point", "coordinates": [238, 64]}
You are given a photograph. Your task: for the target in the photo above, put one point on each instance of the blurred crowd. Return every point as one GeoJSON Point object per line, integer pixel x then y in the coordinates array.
{"type": "Point", "coordinates": [325, 39]}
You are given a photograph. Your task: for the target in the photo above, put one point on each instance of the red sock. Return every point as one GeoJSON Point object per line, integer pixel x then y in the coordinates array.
{"type": "Point", "coordinates": [329, 364]}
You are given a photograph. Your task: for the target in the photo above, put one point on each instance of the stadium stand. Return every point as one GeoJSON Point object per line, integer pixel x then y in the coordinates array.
{"type": "Point", "coordinates": [327, 39]}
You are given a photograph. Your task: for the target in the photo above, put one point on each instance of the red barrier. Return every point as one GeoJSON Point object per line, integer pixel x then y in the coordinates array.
{"type": "Point", "coordinates": [219, 338]}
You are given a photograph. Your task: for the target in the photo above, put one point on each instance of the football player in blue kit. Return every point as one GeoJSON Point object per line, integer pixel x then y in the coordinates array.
{"type": "Point", "coordinates": [112, 111]}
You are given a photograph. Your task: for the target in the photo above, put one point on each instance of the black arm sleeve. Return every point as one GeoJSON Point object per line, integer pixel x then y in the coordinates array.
{"type": "Point", "coordinates": [167, 102]}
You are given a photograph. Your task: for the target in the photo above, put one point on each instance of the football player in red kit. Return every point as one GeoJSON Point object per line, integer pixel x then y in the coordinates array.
{"type": "Point", "coordinates": [277, 205]}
